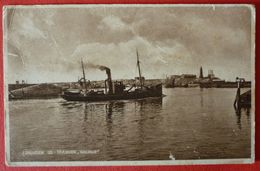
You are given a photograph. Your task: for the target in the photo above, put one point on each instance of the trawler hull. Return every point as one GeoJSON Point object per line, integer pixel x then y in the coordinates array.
{"type": "Point", "coordinates": [155, 91]}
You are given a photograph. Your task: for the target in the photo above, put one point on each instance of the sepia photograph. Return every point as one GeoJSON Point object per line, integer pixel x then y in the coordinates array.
{"type": "Point", "coordinates": [89, 85]}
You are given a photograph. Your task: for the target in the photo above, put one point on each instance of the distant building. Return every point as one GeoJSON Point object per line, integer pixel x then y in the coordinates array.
{"type": "Point", "coordinates": [217, 80]}
{"type": "Point", "coordinates": [201, 72]}
{"type": "Point", "coordinates": [188, 76]}
{"type": "Point", "coordinates": [211, 74]}
{"type": "Point", "coordinates": [174, 76]}
{"type": "Point", "coordinates": [180, 80]}
{"type": "Point", "coordinates": [138, 79]}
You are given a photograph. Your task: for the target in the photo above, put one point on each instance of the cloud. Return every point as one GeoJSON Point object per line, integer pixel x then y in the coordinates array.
{"type": "Point", "coordinates": [121, 57]}
{"type": "Point", "coordinates": [113, 23]}
{"type": "Point", "coordinates": [29, 29]}
{"type": "Point", "coordinates": [170, 40]}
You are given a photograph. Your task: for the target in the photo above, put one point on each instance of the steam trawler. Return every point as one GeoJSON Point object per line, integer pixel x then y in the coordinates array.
{"type": "Point", "coordinates": [114, 90]}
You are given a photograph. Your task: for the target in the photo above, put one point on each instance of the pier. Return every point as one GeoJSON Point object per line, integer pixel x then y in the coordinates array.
{"type": "Point", "coordinates": [244, 99]}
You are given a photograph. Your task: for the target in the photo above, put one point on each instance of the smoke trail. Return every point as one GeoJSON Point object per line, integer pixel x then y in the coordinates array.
{"type": "Point", "coordinates": [94, 66]}
{"type": "Point", "coordinates": [102, 68]}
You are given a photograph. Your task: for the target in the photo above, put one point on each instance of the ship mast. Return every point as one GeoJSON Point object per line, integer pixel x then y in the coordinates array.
{"type": "Point", "coordinates": [139, 70]}
{"type": "Point", "coordinates": [84, 77]}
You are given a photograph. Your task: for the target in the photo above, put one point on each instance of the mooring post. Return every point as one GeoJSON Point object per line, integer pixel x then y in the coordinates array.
{"type": "Point", "coordinates": [237, 99]}
{"type": "Point", "coordinates": [237, 94]}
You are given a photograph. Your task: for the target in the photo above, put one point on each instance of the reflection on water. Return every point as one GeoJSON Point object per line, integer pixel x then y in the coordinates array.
{"type": "Point", "coordinates": [242, 111]}
{"type": "Point", "coordinates": [201, 97]}
{"type": "Point", "coordinates": [188, 123]}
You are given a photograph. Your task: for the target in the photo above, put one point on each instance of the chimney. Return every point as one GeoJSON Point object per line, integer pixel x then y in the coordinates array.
{"type": "Point", "coordinates": [109, 79]}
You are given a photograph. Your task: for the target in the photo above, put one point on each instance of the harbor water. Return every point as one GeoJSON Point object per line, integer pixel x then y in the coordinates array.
{"type": "Point", "coordinates": [189, 123]}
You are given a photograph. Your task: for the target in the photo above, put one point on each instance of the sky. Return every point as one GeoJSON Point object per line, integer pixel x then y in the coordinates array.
{"type": "Point", "coordinates": [46, 43]}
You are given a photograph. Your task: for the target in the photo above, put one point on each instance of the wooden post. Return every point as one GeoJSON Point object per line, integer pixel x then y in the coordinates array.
{"type": "Point", "coordinates": [237, 99]}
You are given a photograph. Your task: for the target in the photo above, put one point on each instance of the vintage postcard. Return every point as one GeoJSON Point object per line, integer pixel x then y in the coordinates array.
{"type": "Point", "coordinates": [93, 85]}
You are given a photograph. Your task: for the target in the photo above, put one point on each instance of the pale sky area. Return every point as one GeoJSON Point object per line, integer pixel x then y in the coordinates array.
{"type": "Point", "coordinates": [46, 44]}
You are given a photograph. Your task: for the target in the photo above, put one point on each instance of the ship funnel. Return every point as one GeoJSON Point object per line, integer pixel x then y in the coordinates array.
{"type": "Point", "coordinates": [109, 78]}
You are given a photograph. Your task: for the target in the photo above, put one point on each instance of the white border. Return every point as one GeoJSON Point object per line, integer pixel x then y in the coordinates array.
{"type": "Point", "coordinates": [253, 67]}
{"type": "Point", "coordinates": [128, 163]}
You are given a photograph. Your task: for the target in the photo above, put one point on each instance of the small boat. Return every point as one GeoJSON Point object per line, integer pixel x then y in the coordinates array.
{"type": "Point", "coordinates": [114, 90]}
